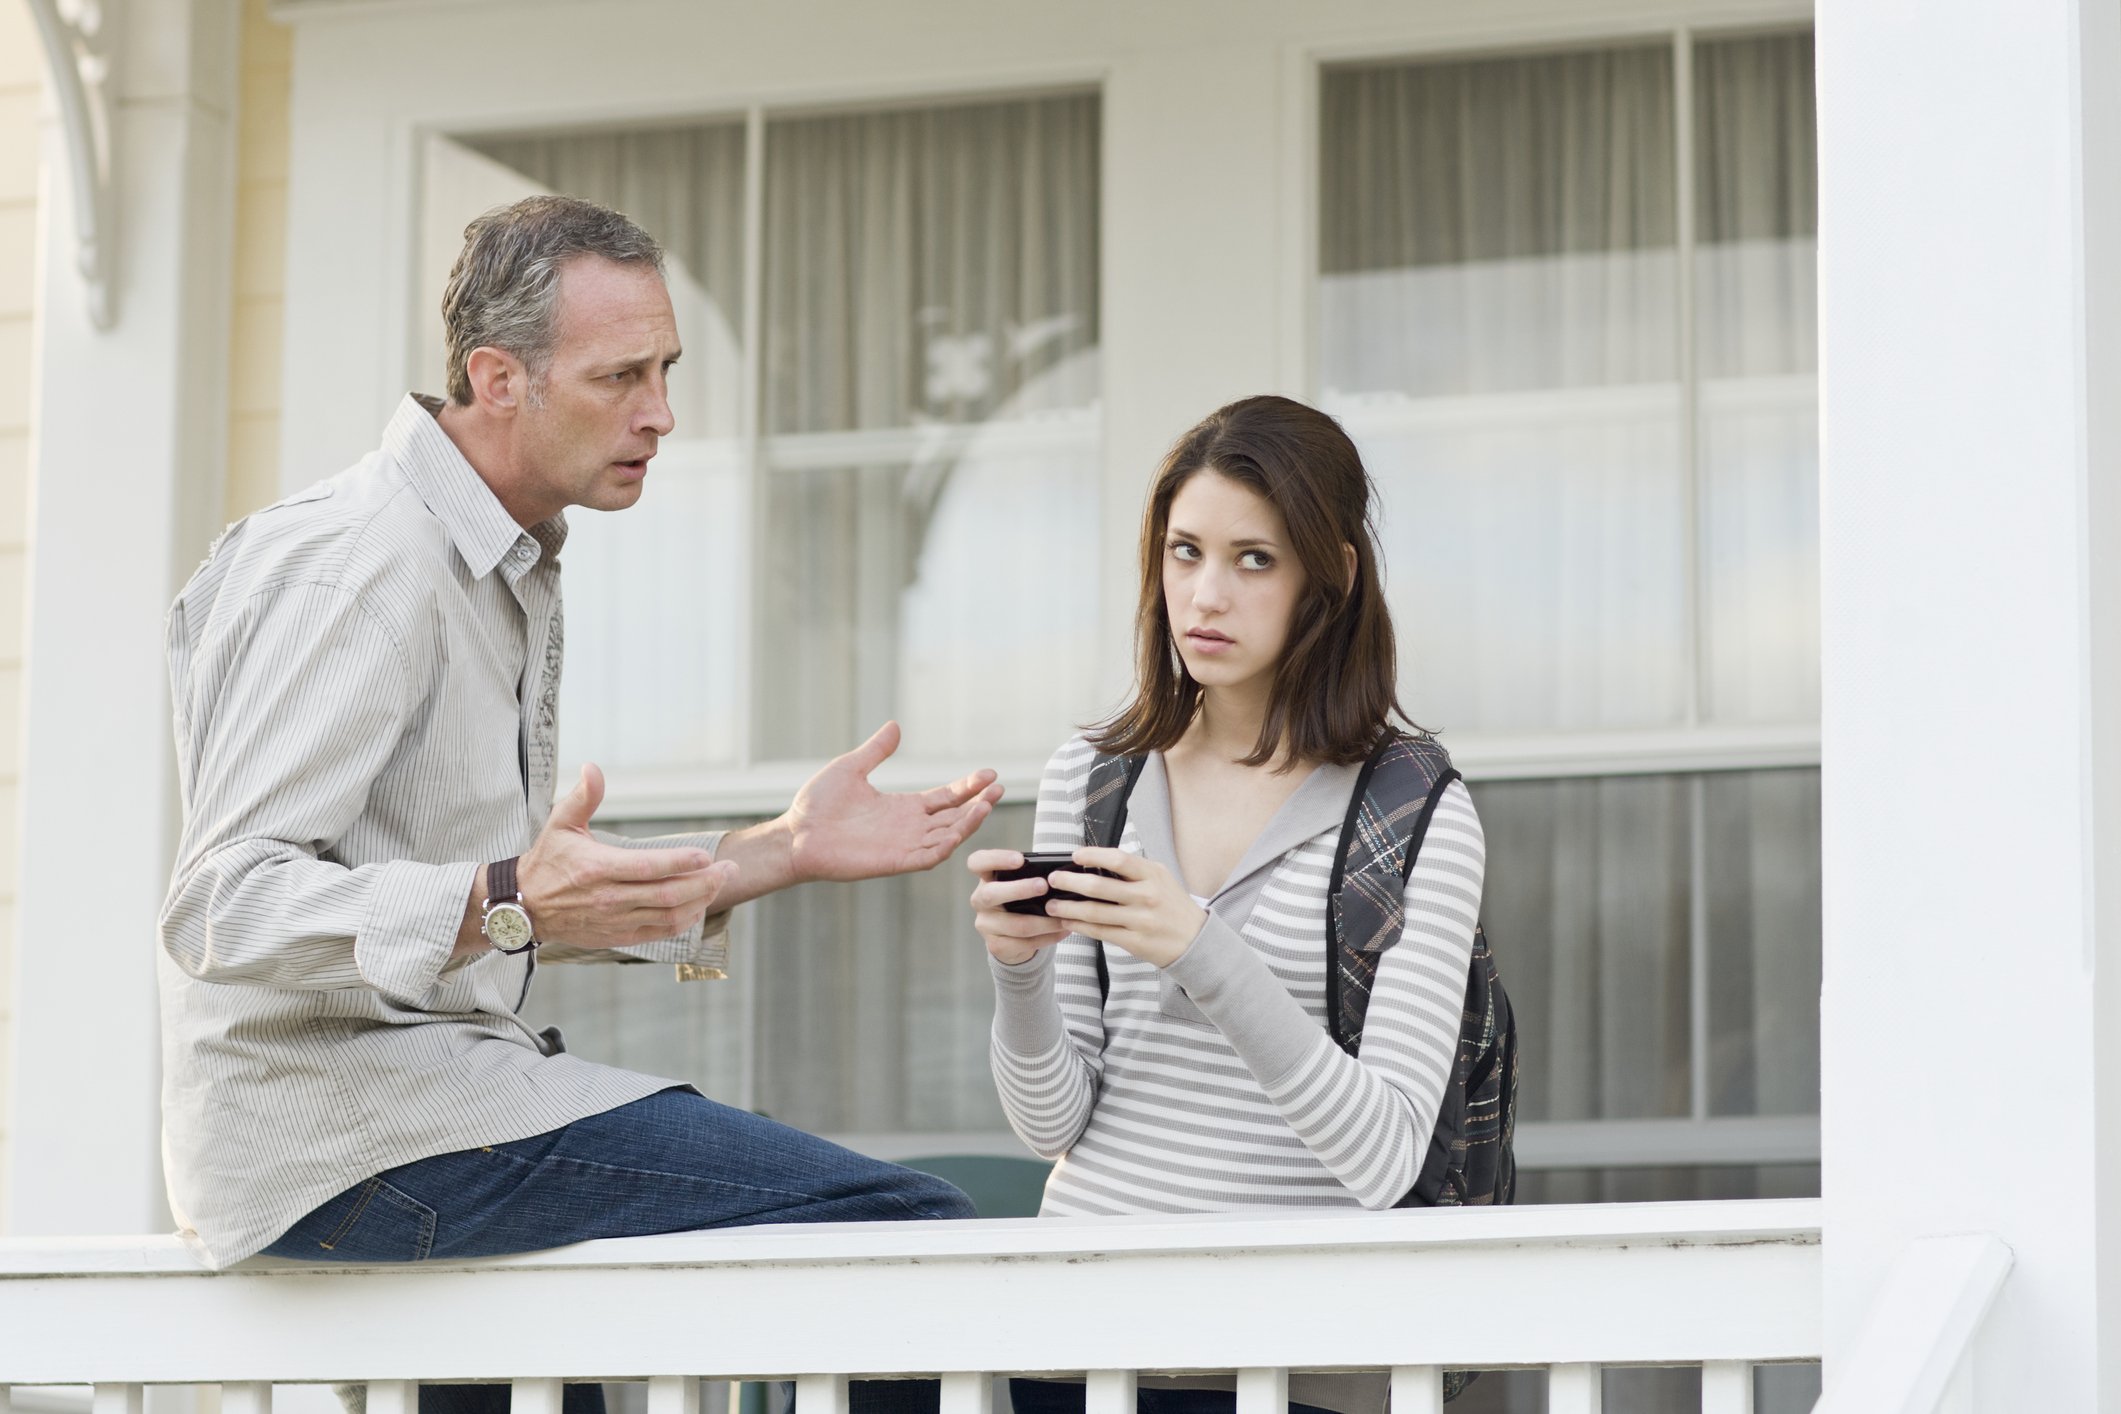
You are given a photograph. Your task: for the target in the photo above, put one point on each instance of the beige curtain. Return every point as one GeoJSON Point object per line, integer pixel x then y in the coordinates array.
{"type": "Point", "coordinates": [932, 268]}
{"type": "Point", "coordinates": [1499, 305]}
{"type": "Point", "coordinates": [930, 285]}
{"type": "Point", "coordinates": [671, 573]}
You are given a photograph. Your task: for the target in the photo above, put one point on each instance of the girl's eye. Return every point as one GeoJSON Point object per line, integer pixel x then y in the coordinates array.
{"type": "Point", "coordinates": [1180, 550]}
{"type": "Point", "coordinates": [1256, 560]}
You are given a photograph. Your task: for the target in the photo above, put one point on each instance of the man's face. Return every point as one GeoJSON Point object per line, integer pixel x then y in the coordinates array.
{"type": "Point", "coordinates": [605, 401]}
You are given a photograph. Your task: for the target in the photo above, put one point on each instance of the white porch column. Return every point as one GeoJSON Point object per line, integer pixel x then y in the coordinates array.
{"type": "Point", "coordinates": [1971, 540]}
{"type": "Point", "coordinates": [131, 432]}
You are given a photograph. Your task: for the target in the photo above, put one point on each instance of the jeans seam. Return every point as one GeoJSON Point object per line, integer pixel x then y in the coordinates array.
{"type": "Point", "coordinates": [346, 1225]}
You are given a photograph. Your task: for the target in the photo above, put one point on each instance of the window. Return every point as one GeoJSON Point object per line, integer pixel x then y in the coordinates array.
{"type": "Point", "coordinates": [888, 427]}
{"type": "Point", "coordinates": [1564, 304]}
{"type": "Point", "coordinates": [1565, 307]}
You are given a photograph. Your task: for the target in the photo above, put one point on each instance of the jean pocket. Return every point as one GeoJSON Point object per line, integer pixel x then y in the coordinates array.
{"type": "Point", "coordinates": [370, 1222]}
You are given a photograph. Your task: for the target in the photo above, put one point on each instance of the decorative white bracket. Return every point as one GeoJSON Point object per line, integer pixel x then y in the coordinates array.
{"type": "Point", "coordinates": [78, 36]}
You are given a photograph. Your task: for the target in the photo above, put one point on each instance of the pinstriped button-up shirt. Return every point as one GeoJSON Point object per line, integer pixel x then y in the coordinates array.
{"type": "Point", "coordinates": [365, 680]}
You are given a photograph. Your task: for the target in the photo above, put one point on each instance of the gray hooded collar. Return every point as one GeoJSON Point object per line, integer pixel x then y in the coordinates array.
{"type": "Point", "coordinates": [1319, 804]}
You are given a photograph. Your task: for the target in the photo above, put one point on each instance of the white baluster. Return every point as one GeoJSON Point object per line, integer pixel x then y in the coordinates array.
{"type": "Point", "coordinates": [248, 1397]}
{"type": "Point", "coordinates": [673, 1394]}
{"type": "Point", "coordinates": [7, 1403]}
{"type": "Point", "coordinates": [1109, 1392]}
{"type": "Point", "coordinates": [1574, 1389]}
{"type": "Point", "coordinates": [1262, 1392]}
{"type": "Point", "coordinates": [535, 1397]}
{"type": "Point", "coordinates": [120, 1399]}
{"type": "Point", "coordinates": [1726, 1387]}
{"type": "Point", "coordinates": [966, 1392]}
{"type": "Point", "coordinates": [393, 1397]}
{"type": "Point", "coordinates": [814, 1394]}
{"type": "Point", "coordinates": [1417, 1389]}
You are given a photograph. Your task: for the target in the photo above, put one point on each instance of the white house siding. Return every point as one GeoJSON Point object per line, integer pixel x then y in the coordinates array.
{"type": "Point", "coordinates": [20, 80]}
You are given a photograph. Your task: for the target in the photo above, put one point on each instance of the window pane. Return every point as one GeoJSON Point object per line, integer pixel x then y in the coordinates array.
{"type": "Point", "coordinates": [1497, 308]}
{"type": "Point", "coordinates": [635, 581]}
{"type": "Point", "coordinates": [1586, 905]}
{"type": "Point", "coordinates": [875, 1001]}
{"type": "Point", "coordinates": [931, 405]}
{"type": "Point", "coordinates": [1498, 224]}
{"type": "Point", "coordinates": [1756, 291]}
{"type": "Point", "coordinates": [1764, 950]}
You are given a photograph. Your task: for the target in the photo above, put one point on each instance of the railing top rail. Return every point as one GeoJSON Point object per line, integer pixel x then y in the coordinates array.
{"type": "Point", "coordinates": [1714, 1224]}
{"type": "Point", "coordinates": [1652, 1283]}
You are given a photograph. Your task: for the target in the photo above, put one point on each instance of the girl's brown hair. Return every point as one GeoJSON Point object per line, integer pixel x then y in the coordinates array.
{"type": "Point", "coordinates": [1335, 689]}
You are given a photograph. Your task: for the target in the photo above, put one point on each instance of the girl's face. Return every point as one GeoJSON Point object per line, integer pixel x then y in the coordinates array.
{"type": "Point", "coordinates": [1231, 582]}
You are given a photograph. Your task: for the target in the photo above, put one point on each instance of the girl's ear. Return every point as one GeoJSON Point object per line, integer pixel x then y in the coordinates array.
{"type": "Point", "coordinates": [1347, 581]}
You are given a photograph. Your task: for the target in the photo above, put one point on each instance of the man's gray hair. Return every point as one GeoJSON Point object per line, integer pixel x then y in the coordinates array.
{"type": "Point", "coordinates": [504, 291]}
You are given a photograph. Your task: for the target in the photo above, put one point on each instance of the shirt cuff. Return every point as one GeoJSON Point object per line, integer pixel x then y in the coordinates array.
{"type": "Point", "coordinates": [1233, 988]}
{"type": "Point", "coordinates": [1027, 1019]}
{"type": "Point", "coordinates": [410, 931]}
{"type": "Point", "coordinates": [701, 953]}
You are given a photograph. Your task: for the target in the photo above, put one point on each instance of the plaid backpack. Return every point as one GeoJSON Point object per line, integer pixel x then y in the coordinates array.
{"type": "Point", "coordinates": [1470, 1160]}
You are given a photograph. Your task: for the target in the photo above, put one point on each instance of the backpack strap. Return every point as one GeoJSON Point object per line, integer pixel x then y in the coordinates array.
{"type": "Point", "coordinates": [1112, 781]}
{"type": "Point", "coordinates": [1394, 799]}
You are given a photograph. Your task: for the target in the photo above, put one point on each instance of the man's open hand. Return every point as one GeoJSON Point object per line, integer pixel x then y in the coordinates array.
{"type": "Point", "coordinates": [842, 827]}
{"type": "Point", "coordinates": [589, 894]}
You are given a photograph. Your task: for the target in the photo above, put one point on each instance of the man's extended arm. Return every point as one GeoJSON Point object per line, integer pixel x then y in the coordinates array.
{"type": "Point", "coordinates": [309, 698]}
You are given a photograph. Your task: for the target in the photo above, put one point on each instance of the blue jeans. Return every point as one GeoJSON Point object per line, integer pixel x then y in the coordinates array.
{"type": "Point", "coordinates": [673, 1162]}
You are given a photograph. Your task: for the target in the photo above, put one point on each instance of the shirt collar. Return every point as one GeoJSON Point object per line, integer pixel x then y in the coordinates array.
{"type": "Point", "coordinates": [484, 534]}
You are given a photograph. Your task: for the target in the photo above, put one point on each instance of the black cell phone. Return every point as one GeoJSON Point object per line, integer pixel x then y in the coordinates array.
{"type": "Point", "coordinates": [1039, 866]}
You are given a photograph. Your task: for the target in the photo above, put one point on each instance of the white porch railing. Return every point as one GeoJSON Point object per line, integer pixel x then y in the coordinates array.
{"type": "Point", "coordinates": [1912, 1355]}
{"type": "Point", "coordinates": [1720, 1285]}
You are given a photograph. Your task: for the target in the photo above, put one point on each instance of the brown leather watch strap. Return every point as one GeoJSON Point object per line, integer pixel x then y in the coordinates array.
{"type": "Point", "coordinates": [501, 882]}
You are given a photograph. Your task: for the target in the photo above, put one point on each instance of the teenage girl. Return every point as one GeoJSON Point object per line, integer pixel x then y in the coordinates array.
{"type": "Point", "coordinates": [1203, 1078]}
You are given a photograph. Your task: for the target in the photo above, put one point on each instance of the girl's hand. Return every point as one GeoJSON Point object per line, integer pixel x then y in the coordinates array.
{"type": "Point", "coordinates": [1145, 911]}
{"type": "Point", "coordinates": [1011, 938]}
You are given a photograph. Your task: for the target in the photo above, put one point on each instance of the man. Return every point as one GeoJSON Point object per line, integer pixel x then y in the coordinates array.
{"type": "Point", "coordinates": [365, 678]}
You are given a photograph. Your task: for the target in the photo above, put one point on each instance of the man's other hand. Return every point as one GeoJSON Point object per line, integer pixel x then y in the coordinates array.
{"type": "Point", "coordinates": [589, 894]}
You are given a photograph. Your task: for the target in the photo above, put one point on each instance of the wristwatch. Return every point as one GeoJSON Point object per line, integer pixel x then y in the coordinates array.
{"type": "Point", "coordinates": [504, 920]}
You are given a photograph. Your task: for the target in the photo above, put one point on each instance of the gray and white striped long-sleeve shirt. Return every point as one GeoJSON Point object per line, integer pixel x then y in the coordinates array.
{"type": "Point", "coordinates": [364, 679]}
{"type": "Point", "coordinates": [1214, 1085]}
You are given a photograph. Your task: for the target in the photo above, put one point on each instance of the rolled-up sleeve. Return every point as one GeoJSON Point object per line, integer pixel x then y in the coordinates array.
{"type": "Point", "coordinates": [286, 719]}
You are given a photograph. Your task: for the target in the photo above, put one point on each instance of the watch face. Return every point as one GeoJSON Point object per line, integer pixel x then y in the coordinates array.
{"type": "Point", "coordinates": [507, 926]}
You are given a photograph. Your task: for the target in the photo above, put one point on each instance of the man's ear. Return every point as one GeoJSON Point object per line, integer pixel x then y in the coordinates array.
{"type": "Point", "coordinates": [1347, 581]}
{"type": "Point", "coordinates": [499, 382]}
